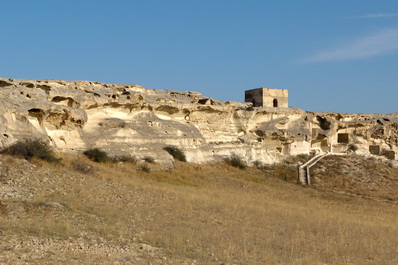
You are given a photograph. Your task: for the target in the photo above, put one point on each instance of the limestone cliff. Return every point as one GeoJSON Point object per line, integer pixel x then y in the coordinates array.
{"type": "Point", "coordinates": [77, 115]}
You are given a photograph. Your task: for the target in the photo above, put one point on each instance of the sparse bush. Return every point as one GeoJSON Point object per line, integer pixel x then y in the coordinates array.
{"type": "Point", "coordinates": [236, 161]}
{"type": "Point", "coordinates": [145, 168]}
{"type": "Point", "coordinates": [175, 152]}
{"type": "Point", "coordinates": [352, 147]}
{"type": "Point", "coordinates": [97, 155]}
{"type": "Point", "coordinates": [83, 167]}
{"type": "Point", "coordinates": [29, 149]}
{"type": "Point", "coordinates": [267, 167]}
{"type": "Point", "coordinates": [125, 158]}
{"type": "Point", "coordinates": [149, 159]}
{"type": "Point", "coordinates": [258, 164]}
{"type": "Point", "coordinates": [285, 172]}
{"type": "Point", "coordinates": [301, 158]}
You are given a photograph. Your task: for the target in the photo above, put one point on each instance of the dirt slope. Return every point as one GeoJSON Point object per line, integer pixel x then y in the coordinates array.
{"type": "Point", "coordinates": [193, 214]}
{"type": "Point", "coordinates": [357, 176]}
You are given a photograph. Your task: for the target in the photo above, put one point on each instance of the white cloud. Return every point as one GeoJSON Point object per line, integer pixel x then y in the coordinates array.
{"type": "Point", "coordinates": [376, 15]}
{"type": "Point", "coordinates": [378, 43]}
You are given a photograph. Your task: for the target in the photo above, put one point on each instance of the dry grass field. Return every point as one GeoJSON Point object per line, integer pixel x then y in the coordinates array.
{"type": "Point", "coordinates": [83, 212]}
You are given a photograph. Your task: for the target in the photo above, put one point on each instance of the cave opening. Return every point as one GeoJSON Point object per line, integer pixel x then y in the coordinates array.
{"type": "Point", "coordinates": [275, 103]}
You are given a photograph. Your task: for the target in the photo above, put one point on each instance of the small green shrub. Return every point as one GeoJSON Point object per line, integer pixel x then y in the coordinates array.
{"type": "Point", "coordinates": [125, 159]}
{"type": "Point", "coordinates": [352, 147]}
{"type": "Point", "coordinates": [144, 168]}
{"type": "Point", "coordinates": [175, 152]}
{"type": "Point", "coordinates": [149, 159]}
{"type": "Point", "coordinates": [29, 149]}
{"type": "Point", "coordinates": [236, 161]}
{"type": "Point", "coordinates": [97, 155]}
{"type": "Point", "coordinates": [258, 164]}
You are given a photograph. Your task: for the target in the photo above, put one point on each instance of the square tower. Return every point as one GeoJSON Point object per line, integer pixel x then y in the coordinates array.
{"type": "Point", "coordinates": [267, 97]}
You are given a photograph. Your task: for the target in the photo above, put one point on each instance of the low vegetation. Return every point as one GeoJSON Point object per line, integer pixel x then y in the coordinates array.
{"type": "Point", "coordinates": [29, 149]}
{"type": "Point", "coordinates": [236, 161]}
{"type": "Point", "coordinates": [97, 155]}
{"type": "Point", "coordinates": [124, 159]}
{"type": "Point", "coordinates": [148, 159]}
{"type": "Point", "coordinates": [144, 168]}
{"type": "Point", "coordinates": [100, 156]}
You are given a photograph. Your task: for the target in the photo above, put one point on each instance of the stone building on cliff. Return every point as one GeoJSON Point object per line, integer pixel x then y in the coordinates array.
{"type": "Point", "coordinates": [267, 97]}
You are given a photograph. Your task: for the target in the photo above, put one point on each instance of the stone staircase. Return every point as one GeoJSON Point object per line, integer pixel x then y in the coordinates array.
{"type": "Point", "coordinates": [304, 169]}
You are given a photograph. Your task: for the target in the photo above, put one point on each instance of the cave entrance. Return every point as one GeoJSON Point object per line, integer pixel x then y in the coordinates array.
{"type": "Point", "coordinates": [389, 154]}
{"type": "Point", "coordinates": [374, 149]}
{"type": "Point", "coordinates": [343, 138]}
{"type": "Point", "coordinates": [275, 102]}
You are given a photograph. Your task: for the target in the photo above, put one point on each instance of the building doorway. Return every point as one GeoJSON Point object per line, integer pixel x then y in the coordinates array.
{"type": "Point", "coordinates": [275, 102]}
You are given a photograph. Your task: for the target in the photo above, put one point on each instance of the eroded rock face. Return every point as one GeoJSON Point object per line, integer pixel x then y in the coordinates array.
{"type": "Point", "coordinates": [121, 119]}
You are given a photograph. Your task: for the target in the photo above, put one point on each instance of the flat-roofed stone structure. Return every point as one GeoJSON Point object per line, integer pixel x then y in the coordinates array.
{"type": "Point", "coordinates": [267, 97]}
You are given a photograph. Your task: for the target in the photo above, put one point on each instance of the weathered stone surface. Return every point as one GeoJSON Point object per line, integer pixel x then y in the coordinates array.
{"type": "Point", "coordinates": [76, 115]}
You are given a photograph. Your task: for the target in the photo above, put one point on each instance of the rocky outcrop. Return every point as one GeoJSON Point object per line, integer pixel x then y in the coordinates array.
{"type": "Point", "coordinates": [130, 119]}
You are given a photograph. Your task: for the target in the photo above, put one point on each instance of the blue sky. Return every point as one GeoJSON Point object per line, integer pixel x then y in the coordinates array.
{"type": "Point", "coordinates": [338, 56]}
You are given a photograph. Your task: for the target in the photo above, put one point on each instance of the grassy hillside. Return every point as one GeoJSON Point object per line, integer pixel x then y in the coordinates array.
{"type": "Point", "coordinates": [83, 212]}
{"type": "Point", "coordinates": [358, 176]}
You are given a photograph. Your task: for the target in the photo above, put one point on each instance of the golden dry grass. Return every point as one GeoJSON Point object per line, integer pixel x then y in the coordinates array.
{"type": "Point", "coordinates": [213, 213]}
